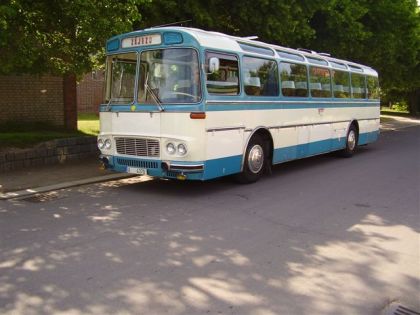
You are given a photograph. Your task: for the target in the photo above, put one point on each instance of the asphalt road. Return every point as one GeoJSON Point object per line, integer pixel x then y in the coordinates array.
{"type": "Point", "coordinates": [324, 235]}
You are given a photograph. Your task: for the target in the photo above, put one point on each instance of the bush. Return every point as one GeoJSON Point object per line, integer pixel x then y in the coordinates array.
{"type": "Point", "coordinates": [400, 107]}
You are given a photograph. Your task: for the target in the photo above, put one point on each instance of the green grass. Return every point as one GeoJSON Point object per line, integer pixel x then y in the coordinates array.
{"type": "Point", "coordinates": [14, 135]}
{"type": "Point", "coordinates": [88, 124]}
{"type": "Point", "coordinates": [392, 112]}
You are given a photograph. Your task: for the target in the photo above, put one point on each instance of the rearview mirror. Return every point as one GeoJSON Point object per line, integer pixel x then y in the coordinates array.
{"type": "Point", "coordinates": [214, 64]}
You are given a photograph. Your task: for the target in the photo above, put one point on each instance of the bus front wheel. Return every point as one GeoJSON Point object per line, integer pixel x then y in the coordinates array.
{"type": "Point", "coordinates": [351, 142]}
{"type": "Point", "coordinates": [254, 162]}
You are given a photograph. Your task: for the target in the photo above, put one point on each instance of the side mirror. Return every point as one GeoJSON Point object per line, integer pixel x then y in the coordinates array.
{"type": "Point", "coordinates": [214, 64]}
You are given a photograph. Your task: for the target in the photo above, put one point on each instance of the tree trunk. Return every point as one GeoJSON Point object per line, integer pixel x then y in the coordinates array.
{"type": "Point", "coordinates": [70, 101]}
{"type": "Point", "coordinates": [414, 101]}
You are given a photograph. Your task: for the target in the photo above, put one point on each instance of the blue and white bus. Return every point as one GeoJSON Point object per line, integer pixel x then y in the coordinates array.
{"type": "Point", "coordinates": [190, 104]}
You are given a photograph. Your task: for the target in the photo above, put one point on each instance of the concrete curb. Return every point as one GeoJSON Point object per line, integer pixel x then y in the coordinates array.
{"type": "Point", "coordinates": [33, 191]}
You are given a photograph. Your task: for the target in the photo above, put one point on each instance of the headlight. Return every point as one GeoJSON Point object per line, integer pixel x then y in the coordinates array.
{"type": "Point", "coordinates": [100, 144]}
{"type": "Point", "coordinates": [182, 149]}
{"type": "Point", "coordinates": [107, 144]}
{"type": "Point", "coordinates": [170, 147]}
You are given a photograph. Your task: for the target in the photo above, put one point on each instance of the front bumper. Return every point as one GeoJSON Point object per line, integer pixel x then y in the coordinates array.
{"type": "Point", "coordinates": [155, 168]}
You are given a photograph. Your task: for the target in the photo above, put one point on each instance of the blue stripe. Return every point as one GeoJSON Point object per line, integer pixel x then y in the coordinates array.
{"type": "Point", "coordinates": [230, 165]}
{"type": "Point", "coordinates": [222, 167]}
{"type": "Point", "coordinates": [233, 106]}
{"type": "Point", "coordinates": [313, 148]}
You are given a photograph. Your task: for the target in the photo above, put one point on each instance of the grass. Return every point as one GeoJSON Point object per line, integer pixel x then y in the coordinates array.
{"type": "Point", "coordinates": [394, 112]}
{"type": "Point", "coordinates": [14, 135]}
{"type": "Point", "coordinates": [88, 124]}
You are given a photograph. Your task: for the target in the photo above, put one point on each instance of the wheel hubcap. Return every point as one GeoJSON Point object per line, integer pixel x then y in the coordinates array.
{"type": "Point", "coordinates": [256, 159]}
{"type": "Point", "coordinates": [351, 140]}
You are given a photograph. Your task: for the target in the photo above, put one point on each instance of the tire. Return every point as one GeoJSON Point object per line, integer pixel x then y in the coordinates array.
{"type": "Point", "coordinates": [254, 162]}
{"type": "Point", "coordinates": [351, 142]}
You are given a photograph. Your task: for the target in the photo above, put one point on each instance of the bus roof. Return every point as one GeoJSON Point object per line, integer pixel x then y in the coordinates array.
{"type": "Point", "coordinates": [217, 41]}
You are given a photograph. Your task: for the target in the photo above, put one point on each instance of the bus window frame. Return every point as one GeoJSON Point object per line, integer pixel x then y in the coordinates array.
{"type": "Point", "coordinates": [351, 85]}
{"type": "Point", "coordinates": [108, 88]}
{"type": "Point", "coordinates": [309, 81]}
{"type": "Point", "coordinates": [349, 97]}
{"type": "Point", "coordinates": [139, 52]}
{"type": "Point", "coordinates": [303, 63]}
{"type": "Point", "coordinates": [278, 75]}
{"type": "Point", "coordinates": [204, 65]}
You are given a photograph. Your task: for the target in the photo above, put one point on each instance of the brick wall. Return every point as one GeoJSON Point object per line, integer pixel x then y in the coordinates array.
{"type": "Point", "coordinates": [27, 98]}
{"type": "Point", "coordinates": [90, 92]}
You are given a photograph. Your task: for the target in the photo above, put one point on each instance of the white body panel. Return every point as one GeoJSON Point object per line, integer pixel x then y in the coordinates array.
{"type": "Point", "coordinates": [331, 123]}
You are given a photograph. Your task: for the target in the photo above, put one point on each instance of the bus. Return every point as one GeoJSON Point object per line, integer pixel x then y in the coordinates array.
{"type": "Point", "coordinates": [188, 104]}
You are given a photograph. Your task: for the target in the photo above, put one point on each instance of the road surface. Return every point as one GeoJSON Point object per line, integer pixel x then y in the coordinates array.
{"type": "Point", "coordinates": [324, 235]}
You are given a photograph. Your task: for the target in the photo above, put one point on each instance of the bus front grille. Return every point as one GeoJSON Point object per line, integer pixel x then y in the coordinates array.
{"type": "Point", "coordinates": [135, 163]}
{"type": "Point", "coordinates": [138, 147]}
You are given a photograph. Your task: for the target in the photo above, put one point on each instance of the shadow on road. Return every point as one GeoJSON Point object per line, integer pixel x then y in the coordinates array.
{"type": "Point", "coordinates": [320, 236]}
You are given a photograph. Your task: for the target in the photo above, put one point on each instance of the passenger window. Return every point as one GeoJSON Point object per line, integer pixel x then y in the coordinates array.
{"type": "Point", "coordinates": [320, 82]}
{"type": "Point", "coordinates": [358, 85]}
{"type": "Point", "coordinates": [341, 84]}
{"type": "Point", "coordinates": [372, 87]}
{"type": "Point", "coordinates": [260, 77]}
{"type": "Point", "coordinates": [225, 80]}
{"type": "Point", "coordinates": [293, 80]}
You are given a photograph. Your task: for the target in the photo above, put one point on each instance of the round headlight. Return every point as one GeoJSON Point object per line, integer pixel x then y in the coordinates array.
{"type": "Point", "coordinates": [182, 149]}
{"type": "Point", "coordinates": [170, 147]}
{"type": "Point", "coordinates": [100, 144]}
{"type": "Point", "coordinates": [107, 144]}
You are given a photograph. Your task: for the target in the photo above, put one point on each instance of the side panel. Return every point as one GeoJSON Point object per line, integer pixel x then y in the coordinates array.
{"type": "Point", "coordinates": [296, 132]}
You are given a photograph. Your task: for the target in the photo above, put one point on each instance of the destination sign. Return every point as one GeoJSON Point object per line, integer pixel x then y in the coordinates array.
{"type": "Point", "coordinates": [141, 41]}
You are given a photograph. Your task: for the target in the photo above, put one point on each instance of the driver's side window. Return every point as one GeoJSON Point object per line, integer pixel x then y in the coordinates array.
{"type": "Point", "coordinates": [226, 79]}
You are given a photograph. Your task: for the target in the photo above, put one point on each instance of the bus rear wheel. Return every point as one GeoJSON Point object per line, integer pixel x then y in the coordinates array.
{"type": "Point", "coordinates": [351, 142]}
{"type": "Point", "coordinates": [254, 162]}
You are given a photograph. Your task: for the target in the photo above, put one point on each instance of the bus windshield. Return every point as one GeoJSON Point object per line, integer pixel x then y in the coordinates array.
{"type": "Point", "coordinates": [121, 74]}
{"type": "Point", "coordinates": [169, 76]}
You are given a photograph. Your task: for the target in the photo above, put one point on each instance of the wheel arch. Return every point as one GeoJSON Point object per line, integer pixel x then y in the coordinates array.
{"type": "Point", "coordinates": [266, 135]}
{"type": "Point", "coordinates": [354, 123]}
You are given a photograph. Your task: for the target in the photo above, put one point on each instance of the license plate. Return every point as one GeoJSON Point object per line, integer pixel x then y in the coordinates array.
{"type": "Point", "coordinates": [137, 170]}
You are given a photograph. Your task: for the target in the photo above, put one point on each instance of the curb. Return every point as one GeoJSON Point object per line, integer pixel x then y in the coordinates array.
{"type": "Point", "coordinates": [37, 190]}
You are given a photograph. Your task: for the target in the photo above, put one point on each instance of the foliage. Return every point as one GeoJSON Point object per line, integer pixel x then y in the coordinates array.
{"type": "Point", "coordinates": [64, 36]}
{"type": "Point", "coordinates": [59, 36]}
{"type": "Point", "coordinates": [384, 34]}
{"type": "Point", "coordinates": [400, 107]}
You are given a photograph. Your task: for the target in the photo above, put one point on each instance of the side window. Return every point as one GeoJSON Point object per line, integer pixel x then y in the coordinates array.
{"type": "Point", "coordinates": [260, 77]}
{"type": "Point", "coordinates": [225, 80]}
{"type": "Point", "coordinates": [372, 87]}
{"type": "Point", "coordinates": [341, 84]}
{"type": "Point", "coordinates": [320, 82]}
{"type": "Point", "coordinates": [358, 85]}
{"type": "Point", "coordinates": [293, 80]}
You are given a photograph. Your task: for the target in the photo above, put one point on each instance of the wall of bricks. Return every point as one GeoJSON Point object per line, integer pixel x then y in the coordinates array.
{"type": "Point", "coordinates": [27, 98]}
{"type": "Point", "coordinates": [48, 153]}
{"type": "Point", "coordinates": [90, 92]}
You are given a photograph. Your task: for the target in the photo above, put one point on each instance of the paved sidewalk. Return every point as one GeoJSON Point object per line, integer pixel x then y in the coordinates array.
{"type": "Point", "coordinates": [389, 123]}
{"type": "Point", "coordinates": [28, 181]}
{"type": "Point", "coordinates": [40, 179]}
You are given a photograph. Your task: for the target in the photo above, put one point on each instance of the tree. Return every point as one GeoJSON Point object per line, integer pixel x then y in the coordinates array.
{"type": "Point", "coordinates": [383, 34]}
{"type": "Point", "coordinates": [60, 37]}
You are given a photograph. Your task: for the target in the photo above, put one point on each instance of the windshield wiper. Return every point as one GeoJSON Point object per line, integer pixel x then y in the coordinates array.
{"type": "Point", "coordinates": [152, 94]}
